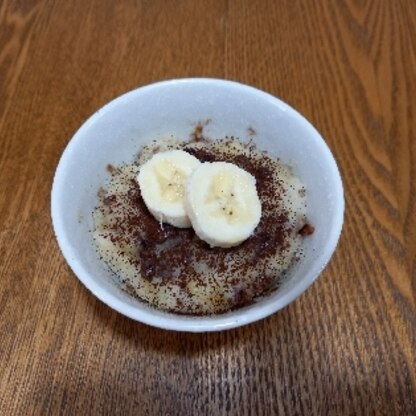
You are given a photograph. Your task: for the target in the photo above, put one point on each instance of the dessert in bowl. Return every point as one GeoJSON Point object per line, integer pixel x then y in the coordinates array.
{"type": "Point", "coordinates": [194, 115]}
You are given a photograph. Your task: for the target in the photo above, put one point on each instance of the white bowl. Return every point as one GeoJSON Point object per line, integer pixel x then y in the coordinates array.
{"type": "Point", "coordinates": [115, 133]}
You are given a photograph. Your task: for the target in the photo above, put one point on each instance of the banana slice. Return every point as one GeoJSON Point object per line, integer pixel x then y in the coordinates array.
{"type": "Point", "coordinates": [162, 181]}
{"type": "Point", "coordinates": [222, 203]}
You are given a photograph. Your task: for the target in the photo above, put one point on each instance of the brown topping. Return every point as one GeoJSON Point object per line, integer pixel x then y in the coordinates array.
{"type": "Point", "coordinates": [166, 255]}
{"type": "Point", "coordinates": [109, 200]}
{"type": "Point", "coordinates": [306, 230]}
{"type": "Point", "coordinates": [197, 135]}
{"type": "Point", "coordinates": [112, 169]}
{"type": "Point", "coordinates": [242, 298]}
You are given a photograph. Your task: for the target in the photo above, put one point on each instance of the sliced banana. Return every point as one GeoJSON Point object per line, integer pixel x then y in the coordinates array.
{"type": "Point", "coordinates": [162, 180]}
{"type": "Point", "coordinates": [222, 203]}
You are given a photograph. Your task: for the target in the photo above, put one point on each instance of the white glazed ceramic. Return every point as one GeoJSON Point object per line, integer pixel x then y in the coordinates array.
{"type": "Point", "coordinates": [116, 132]}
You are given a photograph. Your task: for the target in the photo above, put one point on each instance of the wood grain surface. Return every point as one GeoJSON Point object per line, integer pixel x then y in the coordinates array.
{"type": "Point", "coordinates": [345, 347]}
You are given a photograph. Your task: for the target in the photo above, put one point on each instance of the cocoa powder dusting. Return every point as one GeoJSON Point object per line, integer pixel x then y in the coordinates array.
{"type": "Point", "coordinates": [307, 229]}
{"type": "Point", "coordinates": [112, 169]}
{"type": "Point", "coordinates": [198, 133]}
{"type": "Point", "coordinates": [169, 254]}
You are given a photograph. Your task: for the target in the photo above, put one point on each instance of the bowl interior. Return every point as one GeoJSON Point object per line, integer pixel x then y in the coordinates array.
{"type": "Point", "coordinates": [115, 133]}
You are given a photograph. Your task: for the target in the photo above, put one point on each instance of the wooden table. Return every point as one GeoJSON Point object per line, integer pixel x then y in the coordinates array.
{"type": "Point", "coordinates": [345, 347]}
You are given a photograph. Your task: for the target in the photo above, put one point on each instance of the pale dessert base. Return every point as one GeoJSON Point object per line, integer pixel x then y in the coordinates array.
{"type": "Point", "coordinates": [204, 280]}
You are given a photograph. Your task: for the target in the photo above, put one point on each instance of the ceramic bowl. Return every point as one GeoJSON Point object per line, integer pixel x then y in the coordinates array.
{"type": "Point", "coordinates": [115, 133]}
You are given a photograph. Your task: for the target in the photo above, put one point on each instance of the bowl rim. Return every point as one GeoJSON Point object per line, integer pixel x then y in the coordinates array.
{"type": "Point", "coordinates": [167, 320]}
